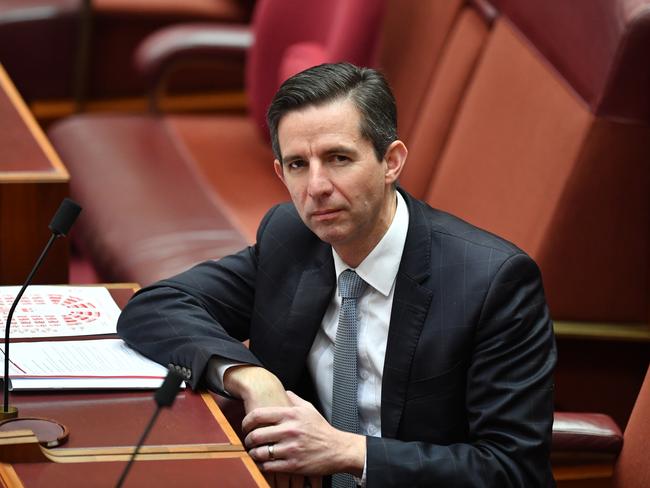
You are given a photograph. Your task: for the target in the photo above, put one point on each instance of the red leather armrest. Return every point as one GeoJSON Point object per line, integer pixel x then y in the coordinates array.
{"type": "Point", "coordinates": [160, 51]}
{"type": "Point", "coordinates": [585, 437]}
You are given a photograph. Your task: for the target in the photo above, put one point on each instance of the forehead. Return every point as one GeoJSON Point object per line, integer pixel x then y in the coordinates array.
{"type": "Point", "coordinates": [335, 122]}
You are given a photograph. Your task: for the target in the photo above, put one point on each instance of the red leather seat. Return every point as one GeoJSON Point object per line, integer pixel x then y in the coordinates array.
{"type": "Point", "coordinates": [162, 193]}
{"type": "Point", "coordinates": [40, 43]}
{"type": "Point", "coordinates": [549, 148]}
{"type": "Point", "coordinates": [507, 126]}
{"type": "Point", "coordinates": [587, 445]}
{"type": "Point", "coordinates": [632, 469]}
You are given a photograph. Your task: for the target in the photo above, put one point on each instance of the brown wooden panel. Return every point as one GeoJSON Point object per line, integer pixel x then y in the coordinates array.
{"type": "Point", "coordinates": [118, 418]}
{"type": "Point", "coordinates": [222, 472]}
{"type": "Point", "coordinates": [33, 181]}
{"type": "Point", "coordinates": [20, 152]}
{"type": "Point", "coordinates": [25, 212]}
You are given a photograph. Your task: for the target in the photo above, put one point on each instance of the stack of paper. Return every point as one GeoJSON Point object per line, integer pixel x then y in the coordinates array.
{"type": "Point", "coordinates": [65, 311]}
{"type": "Point", "coordinates": [103, 363]}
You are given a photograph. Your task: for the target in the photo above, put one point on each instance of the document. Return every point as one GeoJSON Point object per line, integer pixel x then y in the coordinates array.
{"type": "Point", "coordinates": [56, 311]}
{"type": "Point", "coordinates": [83, 364]}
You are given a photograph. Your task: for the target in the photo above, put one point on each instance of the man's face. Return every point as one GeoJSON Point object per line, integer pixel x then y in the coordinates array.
{"type": "Point", "coordinates": [342, 192]}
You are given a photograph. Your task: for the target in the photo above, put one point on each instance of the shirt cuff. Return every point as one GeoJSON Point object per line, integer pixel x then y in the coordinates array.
{"type": "Point", "coordinates": [217, 368]}
{"type": "Point", "coordinates": [362, 481]}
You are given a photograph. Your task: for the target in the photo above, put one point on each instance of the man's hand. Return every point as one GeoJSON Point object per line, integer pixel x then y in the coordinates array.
{"type": "Point", "coordinates": [303, 441]}
{"type": "Point", "coordinates": [260, 388]}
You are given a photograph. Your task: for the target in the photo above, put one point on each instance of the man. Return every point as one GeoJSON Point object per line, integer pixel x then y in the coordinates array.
{"type": "Point", "coordinates": [452, 376]}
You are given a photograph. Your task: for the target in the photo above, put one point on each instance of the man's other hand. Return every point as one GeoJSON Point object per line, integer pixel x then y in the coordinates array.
{"type": "Point", "coordinates": [297, 439]}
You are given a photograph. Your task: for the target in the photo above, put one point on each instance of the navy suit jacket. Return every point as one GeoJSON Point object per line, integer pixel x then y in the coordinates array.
{"type": "Point", "coordinates": [467, 389]}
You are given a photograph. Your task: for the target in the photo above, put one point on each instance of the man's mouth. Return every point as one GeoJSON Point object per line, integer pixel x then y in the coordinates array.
{"type": "Point", "coordinates": [325, 214]}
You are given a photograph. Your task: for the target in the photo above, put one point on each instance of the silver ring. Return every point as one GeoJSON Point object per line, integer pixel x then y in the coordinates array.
{"type": "Point", "coordinates": [271, 447]}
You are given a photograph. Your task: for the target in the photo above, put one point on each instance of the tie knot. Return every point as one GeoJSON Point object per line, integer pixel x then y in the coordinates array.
{"type": "Point", "coordinates": [351, 285]}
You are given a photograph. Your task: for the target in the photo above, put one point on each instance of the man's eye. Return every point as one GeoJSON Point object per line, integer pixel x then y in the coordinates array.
{"type": "Point", "coordinates": [295, 164]}
{"type": "Point", "coordinates": [341, 158]}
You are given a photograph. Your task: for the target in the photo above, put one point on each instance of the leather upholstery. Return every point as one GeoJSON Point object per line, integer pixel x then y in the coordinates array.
{"type": "Point", "coordinates": [119, 26]}
{"type": "Point", "coordinates": [585, 438]}
{"type": "Point", "coordinates": [160, 51]}
{"type": "Point", "coordinates": [160, 219]}
{"type": "Point", "coordinates": [39, 43]}
{"type": "Point", "coordinates": [599, 46]}
{"type": "Point", "coordinates": [586, 433]}
{"type": "Point", "coordinates": [346, 28]}
{"type": "Point", "coordinates": [632, 468]}
{"type": "Point", "coordinates": [497, 134]}
{"type": "Point", "coordinates": [528, 159]}
{"type": "Point", "coordinates": [201, 183]}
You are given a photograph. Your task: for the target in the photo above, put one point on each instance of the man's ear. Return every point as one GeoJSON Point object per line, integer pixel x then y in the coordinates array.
{"type": "Point", "coordinates": [277, 166]}
{"type": "Point", "coordinates": [395, 158]}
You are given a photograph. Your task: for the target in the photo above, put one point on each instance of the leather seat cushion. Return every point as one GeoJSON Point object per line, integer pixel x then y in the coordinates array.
{"type": "Point", "coordinates": [146, 214]}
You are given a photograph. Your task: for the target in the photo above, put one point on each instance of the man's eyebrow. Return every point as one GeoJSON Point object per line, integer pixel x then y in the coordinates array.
{"type": "Point", "coordinates": [290, 157]}
{"type": "Point", "coordinates": [341, 149]}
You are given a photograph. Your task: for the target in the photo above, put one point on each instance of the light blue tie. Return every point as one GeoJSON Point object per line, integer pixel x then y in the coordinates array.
{"type": "Point", "coordinates": [345, 412]}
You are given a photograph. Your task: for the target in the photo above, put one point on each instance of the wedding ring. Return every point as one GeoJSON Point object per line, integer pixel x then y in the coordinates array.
{"type": "Point", "coordinates": [271, 447]}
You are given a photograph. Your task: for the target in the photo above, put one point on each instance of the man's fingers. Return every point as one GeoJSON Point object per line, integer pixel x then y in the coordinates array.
{"type": "Point", "coordinates": [262, 437]}
{"type": "Point", "coordinates": [263, 416]}
{"type": "Point", "coordinates": [266, 453]}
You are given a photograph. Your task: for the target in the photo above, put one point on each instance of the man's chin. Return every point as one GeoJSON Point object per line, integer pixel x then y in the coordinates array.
{"type": "Point", "coordinates": [330, 234]}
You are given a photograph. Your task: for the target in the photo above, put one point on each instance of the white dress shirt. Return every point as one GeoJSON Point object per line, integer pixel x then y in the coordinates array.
{"type": "Point", "coordinates": [379, 270]}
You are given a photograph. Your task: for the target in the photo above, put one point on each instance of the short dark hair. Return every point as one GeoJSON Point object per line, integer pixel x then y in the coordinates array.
{"type": "Point", "coordinates": [366, 87]}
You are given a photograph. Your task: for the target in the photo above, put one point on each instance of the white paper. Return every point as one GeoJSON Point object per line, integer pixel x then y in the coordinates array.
{"type": "Point", "coordinates": [56, 311]}
{"type": "Point", "coordinates": [103, 363]}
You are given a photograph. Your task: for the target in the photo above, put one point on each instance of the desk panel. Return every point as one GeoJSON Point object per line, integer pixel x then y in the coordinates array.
{"type": "Point", "coordinates": [231, 471]}
{"type": "Point", "coordinates": [33, 181]}
{"type": "Point", "coordinates": [118, 418]}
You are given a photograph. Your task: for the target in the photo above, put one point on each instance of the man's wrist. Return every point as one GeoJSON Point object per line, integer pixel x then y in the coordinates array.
{"type": "Point", "coordinates": [249, 381]}
{"type": "Point", "coordinates": [353, 454]}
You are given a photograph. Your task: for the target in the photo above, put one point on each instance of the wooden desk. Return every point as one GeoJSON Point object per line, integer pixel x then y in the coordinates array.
{"type": "Point", "coordinates": [33, 181]}
{"type": "Point", "coordinates": [191, 444]}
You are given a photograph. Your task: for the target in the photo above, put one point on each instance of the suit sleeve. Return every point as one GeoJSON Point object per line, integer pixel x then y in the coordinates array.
{"type": "Point", "coordinates": [203, 312]}
{"type": "Point", "coordinates": [509, 399]}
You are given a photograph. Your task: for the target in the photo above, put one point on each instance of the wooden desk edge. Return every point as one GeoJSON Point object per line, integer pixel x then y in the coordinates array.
{"type": "Point", "coordinates": [33, 127]}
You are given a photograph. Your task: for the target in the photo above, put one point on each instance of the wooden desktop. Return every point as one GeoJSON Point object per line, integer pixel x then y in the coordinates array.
{"type": "Point", "coordinates": [191, 444]}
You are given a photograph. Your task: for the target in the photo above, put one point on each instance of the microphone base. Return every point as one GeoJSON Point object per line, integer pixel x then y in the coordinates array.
{"type": "Point", "coordinates": [49, 433]}
{"type": "Point", "coordinates": [11, 413]}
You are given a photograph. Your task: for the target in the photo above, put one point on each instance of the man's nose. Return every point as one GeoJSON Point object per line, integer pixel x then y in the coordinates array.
{"type": "Point", "coordinates": [319, 181]}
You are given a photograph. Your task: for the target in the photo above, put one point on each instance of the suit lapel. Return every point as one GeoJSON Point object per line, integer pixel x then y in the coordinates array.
{"type": "Point", "coordinates": [313, 294]}
{"type": "Point", "coordinates": [410, 307]}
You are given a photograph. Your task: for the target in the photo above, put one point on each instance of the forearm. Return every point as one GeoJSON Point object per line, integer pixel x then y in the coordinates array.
{"type": "Point", "coordinates": [255, 386]}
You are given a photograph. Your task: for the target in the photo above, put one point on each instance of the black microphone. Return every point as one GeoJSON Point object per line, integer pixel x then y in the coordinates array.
{"type": "Point", "coordinates": [60, 225]}
{"type": "Point", "coordinates": [64, 217]}
{"type": "Point", "coordinates": [164, 397]}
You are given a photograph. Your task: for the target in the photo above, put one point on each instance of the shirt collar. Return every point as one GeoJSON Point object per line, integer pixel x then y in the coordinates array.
{"type": "Point", "coordinates": [379, 268]}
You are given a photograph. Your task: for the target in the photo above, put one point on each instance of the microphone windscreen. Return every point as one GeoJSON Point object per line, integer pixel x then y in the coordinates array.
{"type": "Point", "coordinates": [64, 217]}
{"type": "Point", "coordinates": [166, 394]}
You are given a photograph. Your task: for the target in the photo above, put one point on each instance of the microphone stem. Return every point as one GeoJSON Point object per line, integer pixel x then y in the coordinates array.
{"type": "Point", "coordinates": [138, 446]}
{"type": "Point", "coordinates": [11, 314]}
